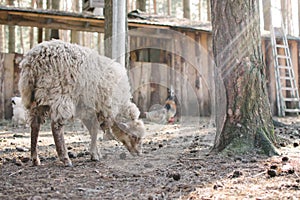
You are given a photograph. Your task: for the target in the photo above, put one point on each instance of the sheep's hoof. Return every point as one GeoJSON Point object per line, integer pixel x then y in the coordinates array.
{"type": "Point", "coordinates": [95, 157]}
{"type": "Point", "coordinates": [67, 162]}
{"type": "Point", "coordinates": [36, 162]}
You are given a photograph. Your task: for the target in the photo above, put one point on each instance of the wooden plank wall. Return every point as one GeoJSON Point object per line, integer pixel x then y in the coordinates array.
{"type": "Point", "coordinates": [185, 68]}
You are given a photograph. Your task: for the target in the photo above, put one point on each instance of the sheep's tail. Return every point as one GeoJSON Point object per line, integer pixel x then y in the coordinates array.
{"type": "Point", "coordinates": [26, 83]}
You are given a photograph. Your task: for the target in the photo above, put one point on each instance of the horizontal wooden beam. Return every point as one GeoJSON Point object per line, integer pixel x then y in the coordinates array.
{"type": "Point", "coordinates": [61, 20]}
{"type": "Point", "coordinates": [52, 21]}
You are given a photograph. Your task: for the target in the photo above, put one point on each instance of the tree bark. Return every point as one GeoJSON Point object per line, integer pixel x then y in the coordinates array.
{"type": "Point", "coordinates": [1, 38]}
{"type": "Point", "coordinates": [243, 117]}
{"type": "Point", "coordinates": [267, 14]}
{"type": "Point", "coordinates": [169, 7]}
{"type": "Point", "coordinates": [11, 33]}
{"type": "Point", "coordinates": [141, 5]}
{"type": "Point", "coordinates": [2, 96]}
{"type": "Point", "coordinates": [286, 10]}
{"type": "Point", "coordinates": [108, 14]}
{"type": "Point", "coordinates": [54, 32]}
{"type": "Point", "coordinates": [154, 7]}
{"type": "Point", "coordinates": [299, 17]}
{"type": "Point", "coordinates": [75, 34]}
{"type": "Point", "coordinates": [31, 29]}
{"type": "Point", "coordinates": [186, 9]}
{"type": "Point", "coordinates": [40, 30]}
{"type": "Point", "coordinates": [208, 10]}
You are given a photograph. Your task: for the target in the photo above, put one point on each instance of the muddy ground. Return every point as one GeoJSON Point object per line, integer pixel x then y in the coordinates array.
{"type": "Point", "coordinates": [175, 164]}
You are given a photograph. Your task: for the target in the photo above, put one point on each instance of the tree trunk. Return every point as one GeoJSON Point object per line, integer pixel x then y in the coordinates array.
{"type": "Point", "coordinates": [108, 28]}
{"type": "Point", "coordinates": [287, 14]}
{"type": "Point", "coordinates": [299, 17]}
{"type": "Point", "coordinates": [11, 33]}
{"type": "Point", "coordinates": [2, 96]}
{"type": "Point", "coordinates": [40, 30]}
{"type": "Point", "coordinates": [200, 10]}
{"type": "Point", "coordinates": [75, 34]}
{"type": "Point", "coordinates": [116, 30]}
{"type": "Point", "coordinates": [1, 38]}
{"type": "Point", "coordinates": [154, 7]}
{"type": "Point", "coordinates": [186, 9]}
{"type": "Point", "coordinates": [267, 14]}
{"type": "Point", "coordinates": [208, 10]}
{"type": "Point", "coordinates": [243, 117]}
{"type": "Point", "coordinates": [169, 7]}
{"type": "Point", "coordinates": [141, 5]}
{"type": "Point", "coordinates": [54, 32]}
{"type": "Point", "coordinates": [31, 29]}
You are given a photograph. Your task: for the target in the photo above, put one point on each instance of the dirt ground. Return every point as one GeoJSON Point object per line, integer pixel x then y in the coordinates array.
{"type": "Point", "coordinates": [175, 165]}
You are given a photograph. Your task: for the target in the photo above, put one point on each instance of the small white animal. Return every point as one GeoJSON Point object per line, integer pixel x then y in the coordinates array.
{"type": "Point", "coordinates": [19, 113]}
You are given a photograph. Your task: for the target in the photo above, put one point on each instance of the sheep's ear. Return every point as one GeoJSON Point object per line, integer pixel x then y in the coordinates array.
{"type": "Point", "coordinates": [123, 126]}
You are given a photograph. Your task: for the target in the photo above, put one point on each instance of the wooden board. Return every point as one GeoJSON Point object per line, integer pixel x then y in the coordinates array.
{"type": "Point", "coordinates": [2, 97]}
{"type": "Point", "coordinates": [8, 83]}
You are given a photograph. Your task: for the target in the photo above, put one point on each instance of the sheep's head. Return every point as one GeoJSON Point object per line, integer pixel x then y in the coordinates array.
{"type": "Point", "coordinates": [130, 134]}
{"type": "Point", "coordinates": [16, 101]}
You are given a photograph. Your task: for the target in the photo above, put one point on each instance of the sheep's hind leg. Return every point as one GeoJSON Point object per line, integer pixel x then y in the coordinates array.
{"type": "Point", "coordinates": [58, 134]}
{"type": "Point", "coordinates": [35, 128]}
{"type": "Point", "coordinates": [93, 125]}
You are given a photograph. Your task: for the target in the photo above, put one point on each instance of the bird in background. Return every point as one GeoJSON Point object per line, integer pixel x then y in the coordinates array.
{"type": "Point", "coordinates": [164, 113]}
{"type": "Point", "coordinates": [170, 105]}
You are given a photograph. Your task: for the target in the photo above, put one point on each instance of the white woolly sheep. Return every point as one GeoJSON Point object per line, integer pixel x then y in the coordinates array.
{"type": "Point", "coordinates": [19, 113]}
{"type": "Point", "coordinates": [65, 81]}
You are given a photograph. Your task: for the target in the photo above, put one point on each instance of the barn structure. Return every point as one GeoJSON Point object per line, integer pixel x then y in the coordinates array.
{"type": "Point", "coordinates": [163, 53]}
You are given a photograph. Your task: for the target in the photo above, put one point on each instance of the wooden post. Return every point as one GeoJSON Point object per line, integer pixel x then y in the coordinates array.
{"type": "Point", "coordinates": [270, 74]}
{"type": "Point", "coordinates": [208, 8]}
{"type": "Point", "coordinates": [40, 30]}
{"type": "Point", "coordinates": [176, 79]}
{"type": "Point", "coordinates": [154, 7]}
{"type": "Point", "coordinates": [267, 14]}
{"type": "Point", "coordinates": [8, 84]}
{"type": "Point", "coordinates": [205, 103]}
{"type": "Point", "coordinates": [186, 9]}
{"type": "Point", "coordinates": [298, 62]}
{"type": "Point", "coordinates": [119, 31]}
{"type": "Point", "coordinates": [1, 86]}
{"type": "Point", "coordinates": [294, 58]}
{"type": "Point", "coordinates": [169, 7]}
{"type": "Point", "coordinates": [190, 74]}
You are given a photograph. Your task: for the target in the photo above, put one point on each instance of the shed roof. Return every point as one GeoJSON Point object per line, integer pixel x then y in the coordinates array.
{"type": "Point", "coordinates": [86, 21]}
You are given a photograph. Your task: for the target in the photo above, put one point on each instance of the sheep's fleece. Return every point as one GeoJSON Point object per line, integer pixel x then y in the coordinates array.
{"type": "Point", "coordinates": [72, 79]}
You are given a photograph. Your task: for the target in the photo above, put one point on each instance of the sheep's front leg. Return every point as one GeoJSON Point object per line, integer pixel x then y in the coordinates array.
{"type": "Point", "coordinates": [35, 128]}
{"type": "Point", "coordinates": [93, 125]}
{"type": "Point", "coordinates": [61, 149]}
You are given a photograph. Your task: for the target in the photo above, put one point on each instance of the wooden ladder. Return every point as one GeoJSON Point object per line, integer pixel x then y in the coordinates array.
{"type": "Point", "coordinates": [287, 93]}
